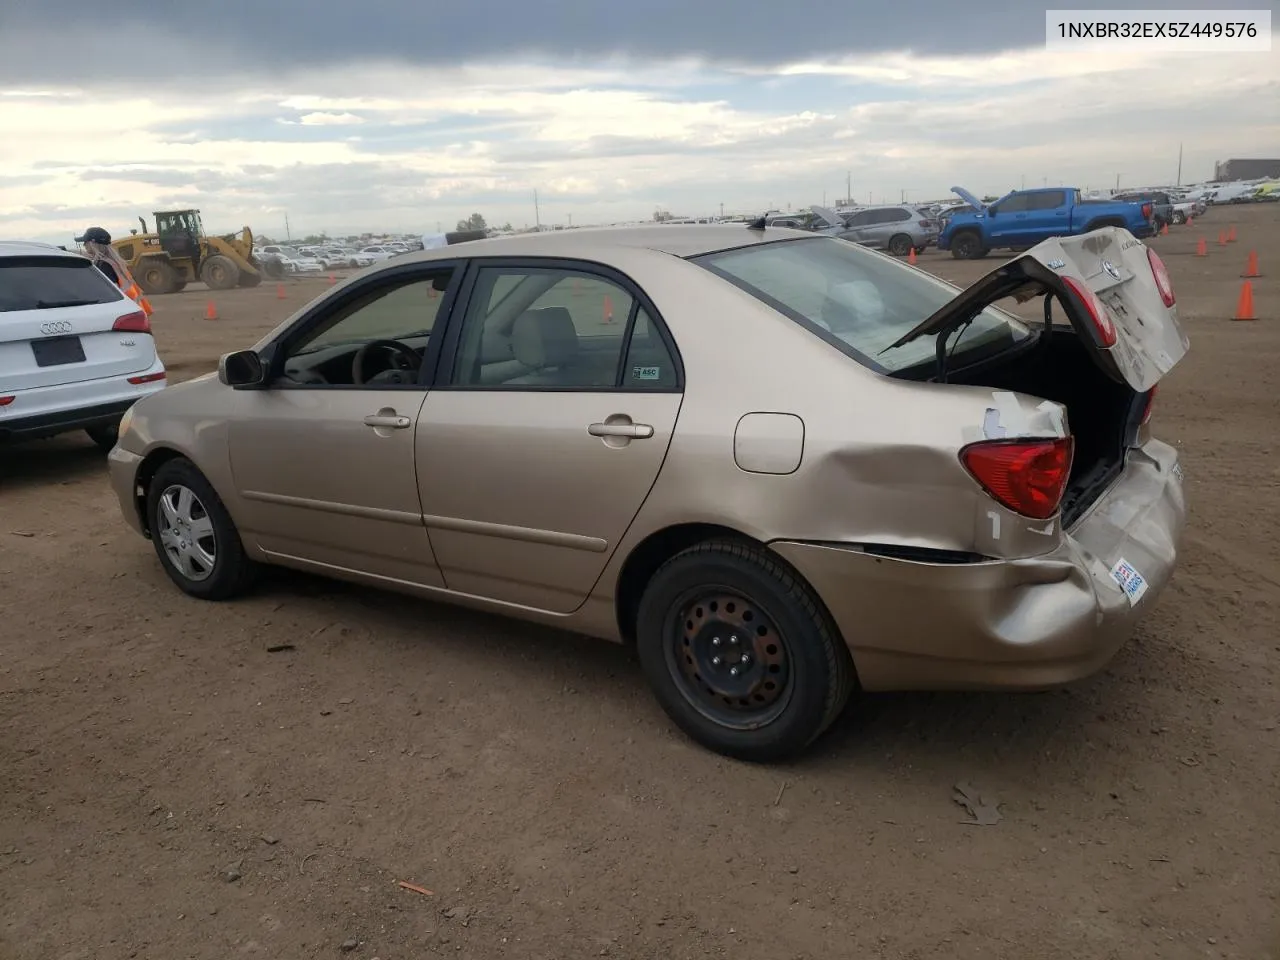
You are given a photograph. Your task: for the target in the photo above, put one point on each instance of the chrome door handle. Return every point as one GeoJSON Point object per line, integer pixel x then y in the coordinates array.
{"type": "Point", "coordinates": [632, 431]}
{"type": "Point", "coordinates": [387, 421]}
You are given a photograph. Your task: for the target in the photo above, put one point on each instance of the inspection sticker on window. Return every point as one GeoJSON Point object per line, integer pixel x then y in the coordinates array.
{"type": "Point", "coordinates": [1131, 581]}
{"type": "Point", "coordinates": [646, 373]}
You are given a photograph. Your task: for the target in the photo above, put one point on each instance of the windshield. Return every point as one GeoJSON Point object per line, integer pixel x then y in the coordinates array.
{"type": "Point", "coordinates": [857, 300]}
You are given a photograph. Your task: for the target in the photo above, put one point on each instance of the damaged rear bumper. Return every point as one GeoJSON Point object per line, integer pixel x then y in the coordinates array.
{"type": "Point", "coordinates": [1007, 624]}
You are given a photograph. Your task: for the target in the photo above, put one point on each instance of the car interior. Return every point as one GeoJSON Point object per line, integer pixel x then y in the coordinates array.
{"type": "Point", "coordinates": [529, 329]}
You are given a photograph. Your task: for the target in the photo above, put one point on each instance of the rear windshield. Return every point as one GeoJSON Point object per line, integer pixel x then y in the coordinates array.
{"type": "Point", "coordinates": [42, 283]}
{"type": "Point", "coordinates": [856, 300]}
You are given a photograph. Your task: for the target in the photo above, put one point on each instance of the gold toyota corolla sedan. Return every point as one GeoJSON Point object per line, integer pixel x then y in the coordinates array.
{"type": "Point", "coordinates": [784, 466]}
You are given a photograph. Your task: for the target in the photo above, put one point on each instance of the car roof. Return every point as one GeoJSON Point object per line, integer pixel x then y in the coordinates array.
{"type": "Point", "coordinates": [587, 243]}
{"type": "Point", "coordinates": [33, 248]}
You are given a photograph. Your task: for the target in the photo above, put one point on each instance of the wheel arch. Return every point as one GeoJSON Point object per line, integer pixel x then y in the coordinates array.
{"type": "Point", "coordinates": [647, 556]}
{"type": "Point", "coordinates": [1104, 222]}
{"type": "Point", "coordinates": [151, 463]}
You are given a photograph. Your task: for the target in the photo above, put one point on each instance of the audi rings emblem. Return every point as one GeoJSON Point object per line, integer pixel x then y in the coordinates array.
{"type": "Point", "coordinates": [55, 326]}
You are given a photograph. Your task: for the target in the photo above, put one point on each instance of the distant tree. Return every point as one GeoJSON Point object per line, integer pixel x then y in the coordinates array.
{"type": "Point", "coordinates": [473, 222]}
{"type": "Point", "coordinates": [506, 227]}
{"type": "Point", "coordinates": [660, 216]}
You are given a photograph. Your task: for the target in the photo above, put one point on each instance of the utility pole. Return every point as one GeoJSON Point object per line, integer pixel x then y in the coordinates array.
{"type": "Point", "coordinates": [1024, 181]}
{"type": "Point", "coordinates": [722, 210]}
{"type": "Point", "coordinates": [1179, 183]}
{"type": "Point", "coordinates": [287, 234]}
{"type": "Point", "coordinates": [571, 220]}
{"type": "Point", "coordinates": [848, 187]}
{"type": "Point", "coordinates": [537, 217]}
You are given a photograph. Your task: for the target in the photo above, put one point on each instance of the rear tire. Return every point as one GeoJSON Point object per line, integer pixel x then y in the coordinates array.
{"type": "Point", "coordinates": [740, 653]}
{"type": "Point", "coordinates": [1179, 217]}
{"type": "Point", "coordinates": [220, 273]}
{"type": "Point", "coordinates": [104, 434]}
{"type": "Point", "coordinates": [156, 277]}
{"type": "Point", "coordinates": [250, 279]}
{"type": "Point", "coordinates": [194, 536]}
{"type": "Point", "coordinates": [899, 245]}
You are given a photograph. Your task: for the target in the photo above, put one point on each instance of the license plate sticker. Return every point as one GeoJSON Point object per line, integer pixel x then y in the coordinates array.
{"type": "Point", "coordinates": [56, 351]}
{"type": "Point", "coordinates": [1130, 580]}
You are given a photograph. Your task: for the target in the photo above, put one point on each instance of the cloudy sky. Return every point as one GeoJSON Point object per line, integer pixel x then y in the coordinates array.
{"type": "Point", "coordinates": [404, 114]}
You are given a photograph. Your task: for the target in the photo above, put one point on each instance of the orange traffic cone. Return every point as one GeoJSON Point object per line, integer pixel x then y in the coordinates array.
{"type": "Point", "coordinates": [1252, 269]}
{"type": "Point", "coordinates": [608, 309]}
{"type": "Point", "coordinates": [1244, 309]}
{"type": "Point", "coordinates": [1222, 238]}
{"type": "Point", "coordinates": [332, 279]}
{"type": "Point", "coordinates": [211, 312]}
{"type": "Point", "coordinates": [911, 257]}
{"type": "Point", "coordinates": [1190, 220]}
{"type": "Point", "coordinates": [1202, 249]}
{"type": "Point", "coordinates": [279, 291]}
{"type": "Point", "coordinates": [1231, 234]}
{"type": "Point", "coordinates": [1164, 231]}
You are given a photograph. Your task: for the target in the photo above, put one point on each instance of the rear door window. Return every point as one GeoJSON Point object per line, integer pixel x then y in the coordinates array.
{"type": "Point", "coordinates": [43, 283]}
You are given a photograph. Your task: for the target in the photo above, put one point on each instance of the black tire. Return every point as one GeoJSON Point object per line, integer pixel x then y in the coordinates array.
{"type": "Point", "coordinates": [250, 279]}
{"type": "Point", "coordinates": [104, 434]}
{"type": "Point", "coordinates": [967, 245]}
{"type": "Point", "coordinates": [156, 277]}
{"type": "Point", "coordinates": [899, 245]}
{"type": "Point", "coordinates": [1179, 217]}
{"type": "Point", "coordinates": [180, 286]}
{"type": "Point", "coordinates": [799, 676]}
{"type": "Point", "coordinates": [231, 572]}
{"type": "Point", "coordinates": [219, 272]}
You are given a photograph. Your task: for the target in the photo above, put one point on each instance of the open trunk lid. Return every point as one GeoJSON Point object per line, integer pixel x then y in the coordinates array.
{"type": "Point", "coordinates": [1106, 281]}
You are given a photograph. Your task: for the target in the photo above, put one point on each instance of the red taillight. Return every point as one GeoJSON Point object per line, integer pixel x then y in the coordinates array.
{"type": "Point", "coordinates": [1097, 311]}
{"type": "Point", "coordinates": [1163, 283]}
{"type": "Point", "coordinates": [5, 401]}
{"type": "Point", "coordinates": [1146, 410]}
{"type": "Point", "coordinates": [132, 323]}
{"type": "Point", "coordinates": [1027, 476]}
{"type": "Point", "coordinates": [148, 378]}
{"type": "Point", "coordinates": [1146, 211]}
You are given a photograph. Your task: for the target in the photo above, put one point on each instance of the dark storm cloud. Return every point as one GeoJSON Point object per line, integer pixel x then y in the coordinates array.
{"type": "Point", "coordinates": [70, 41]}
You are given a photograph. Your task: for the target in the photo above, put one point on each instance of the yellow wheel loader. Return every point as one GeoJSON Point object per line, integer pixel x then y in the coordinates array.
{"type": "Point", "coordinates": [179, 252]}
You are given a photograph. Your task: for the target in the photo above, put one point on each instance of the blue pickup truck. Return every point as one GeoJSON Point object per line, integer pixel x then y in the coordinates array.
{"type": "Point", "coordinates": [1024, 218]}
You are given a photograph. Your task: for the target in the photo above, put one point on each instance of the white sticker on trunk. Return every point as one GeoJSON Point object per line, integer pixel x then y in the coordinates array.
{"type": "Point", "coordinates": [1130, 580]}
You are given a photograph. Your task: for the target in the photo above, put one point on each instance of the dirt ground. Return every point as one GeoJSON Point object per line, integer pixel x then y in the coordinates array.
{"type": "Point", "coordinates": [171, 787]}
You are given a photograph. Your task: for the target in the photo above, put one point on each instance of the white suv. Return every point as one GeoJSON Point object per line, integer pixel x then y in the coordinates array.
{"type": "Point", "coordinates": [75, 352]}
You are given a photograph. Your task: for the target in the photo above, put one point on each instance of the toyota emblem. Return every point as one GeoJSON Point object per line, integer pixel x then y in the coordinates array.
{"type": "Point", "coordinates": [55, 326]}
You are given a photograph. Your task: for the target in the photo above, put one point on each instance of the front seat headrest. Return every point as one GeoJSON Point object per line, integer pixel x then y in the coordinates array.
{"type": "Point", "coordinates": [544, 338]}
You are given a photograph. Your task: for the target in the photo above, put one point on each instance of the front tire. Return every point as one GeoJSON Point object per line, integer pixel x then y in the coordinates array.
{"type": "Point", "coordinates": [194, 536]}
{"type": "Point", "coordinates": [740, 653]}
{"type": "Point", "coordinates": [967, 246]}
{"type": "Point", "coordinates": [220, 273]}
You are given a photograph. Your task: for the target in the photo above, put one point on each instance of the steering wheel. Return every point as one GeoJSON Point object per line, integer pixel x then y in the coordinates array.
{"type": "Point", "coordinates": [406, 373]}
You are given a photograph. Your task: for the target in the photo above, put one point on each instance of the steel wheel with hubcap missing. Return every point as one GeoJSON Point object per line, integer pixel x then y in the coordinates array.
{"type": "Point", "coordinates": [186, 533]}
{"type": "Point", "coordinates": [740, 652]}
{"type": "Point", "coordinates": [193, 533]}
{"type": "Point", "coordinates": [728, 659]}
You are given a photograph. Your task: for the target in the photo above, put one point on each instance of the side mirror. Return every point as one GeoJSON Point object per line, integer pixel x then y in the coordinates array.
{"type": "Point", "coordinates": [244, 368]}
{"type": "Point", "coordinates": [991, 211]}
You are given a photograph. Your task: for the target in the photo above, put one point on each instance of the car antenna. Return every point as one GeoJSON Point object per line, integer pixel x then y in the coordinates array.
{"type": "Point", "coordinates": [756, 224]}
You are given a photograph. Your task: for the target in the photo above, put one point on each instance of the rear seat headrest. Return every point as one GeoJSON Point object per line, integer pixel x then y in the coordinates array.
{"type": "Point", "coordinates": [545, 337]}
